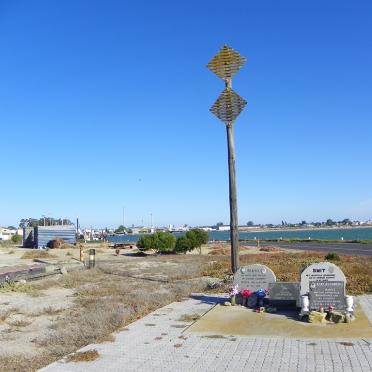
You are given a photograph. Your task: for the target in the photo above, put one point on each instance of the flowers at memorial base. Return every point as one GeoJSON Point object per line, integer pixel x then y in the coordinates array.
{"type": "Point", "coordinates": [234, 290]}
{"type": "Point", "coordinates": [260, 309]}
{"type": "Point", "coordinates": [261, 293]}
{"type": "Point", "coordinates": [246, 292]}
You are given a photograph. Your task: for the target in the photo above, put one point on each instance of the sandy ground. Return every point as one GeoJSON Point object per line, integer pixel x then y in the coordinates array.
{"type": "Point", "coordinates": [239, 320]}
{"type": "Point", "coordinates": [11, 254]}
{"type": "Point", "coordinates": [135, 283]}
{"type": "Point", "coordinates": [26, 318]}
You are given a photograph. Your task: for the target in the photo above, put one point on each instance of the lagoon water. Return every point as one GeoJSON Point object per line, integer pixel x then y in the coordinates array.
{"type": "Point", "coordinates": [326, 234]}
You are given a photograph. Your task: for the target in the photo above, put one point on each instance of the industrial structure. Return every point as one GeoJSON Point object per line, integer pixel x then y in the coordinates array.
{"type": "Point", "coordinates": [40, 236]}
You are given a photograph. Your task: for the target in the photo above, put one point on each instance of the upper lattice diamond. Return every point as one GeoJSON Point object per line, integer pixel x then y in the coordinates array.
{"type": "Point", "coordinates": [226, 63]}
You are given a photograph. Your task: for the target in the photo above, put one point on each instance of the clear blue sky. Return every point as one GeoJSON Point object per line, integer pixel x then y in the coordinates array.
{"type": "Point", "coordinates": [105, 104]}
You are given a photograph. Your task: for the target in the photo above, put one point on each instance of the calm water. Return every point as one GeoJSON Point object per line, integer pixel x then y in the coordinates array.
{"type": "Point", "coordinates": [333, 234]}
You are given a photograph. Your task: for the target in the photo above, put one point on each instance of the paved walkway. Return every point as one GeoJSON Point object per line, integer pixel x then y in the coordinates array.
{"type": "Point", "coordinates": [161, 342]}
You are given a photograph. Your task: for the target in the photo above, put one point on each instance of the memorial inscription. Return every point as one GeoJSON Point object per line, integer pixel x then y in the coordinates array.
{"type": "Point", "coordinates": [254, 277]}
{"type": "Point", "coordinates": [320, 272]}
{"type": "Point", "coordinates": [327, 294]}
{"type": "Point", "coordinates": [284, 291]}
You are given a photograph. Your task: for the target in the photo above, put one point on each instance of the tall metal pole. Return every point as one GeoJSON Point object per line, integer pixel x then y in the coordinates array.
{"type": "Point", "coordinates": [234, 237]}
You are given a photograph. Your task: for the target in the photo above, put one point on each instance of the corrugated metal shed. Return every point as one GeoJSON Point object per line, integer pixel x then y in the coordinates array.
{"type": "Point", "coordinates": [42, 235]}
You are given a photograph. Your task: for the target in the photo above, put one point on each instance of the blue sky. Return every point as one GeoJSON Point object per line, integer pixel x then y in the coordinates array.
{"type": "Point", "coordinates": [105, 104]}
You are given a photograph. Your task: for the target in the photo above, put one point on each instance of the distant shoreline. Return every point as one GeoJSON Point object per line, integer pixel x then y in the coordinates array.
{"type": "Point", "coordinates": [301, 228]}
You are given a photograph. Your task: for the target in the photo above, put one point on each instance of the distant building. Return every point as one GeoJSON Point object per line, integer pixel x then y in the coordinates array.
{"type": "Point", "coordinates": [6, 234]}
{"type": "Point", "coordinates": [40, 236]}
{"type": "Point", "coordinates": [223, 228]}
{"type": "Point", "coordinates": [206, 228]}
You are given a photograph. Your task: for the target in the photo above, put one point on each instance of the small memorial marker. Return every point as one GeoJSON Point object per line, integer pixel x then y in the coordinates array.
{"type": "Point", "coordinates": [284, 294]}
{"type": "Point", "coordinates": [254, 277]}
{"type": "Point", "coordinates": [325, 294]}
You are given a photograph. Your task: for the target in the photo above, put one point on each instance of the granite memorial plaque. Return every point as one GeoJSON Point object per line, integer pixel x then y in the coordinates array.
{"type": "Point", "coordinates": [320, 272]}
{"type": "Point", "coordinates": [327, 294]}
{"type": "Point", "coordinates": [254, 277]}
{"type": "Point", "coordinates": [284, 294]}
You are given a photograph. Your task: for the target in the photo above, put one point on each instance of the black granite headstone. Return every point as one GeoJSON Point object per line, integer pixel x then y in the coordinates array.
{"type": "Point", "coordinates": [284, 294]}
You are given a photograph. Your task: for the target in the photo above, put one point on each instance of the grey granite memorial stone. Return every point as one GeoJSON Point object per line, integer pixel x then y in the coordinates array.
{"type": "Point", "coordinates": [284, 294]}
{"type": "Point", "coordinates": [327, 294]}
{"type": "Point", "coordinates": [320, 272]}
{"type": "Point", "coordinates": [254, 277]}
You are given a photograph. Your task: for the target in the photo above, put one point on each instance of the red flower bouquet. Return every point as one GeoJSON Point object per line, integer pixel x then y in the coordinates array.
{"type": "Point", "coordinates": [246, 292]}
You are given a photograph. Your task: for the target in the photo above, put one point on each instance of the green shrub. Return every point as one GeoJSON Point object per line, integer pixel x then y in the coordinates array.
{"type": "Point", "coordinates": [183, 245]}
{"type": "Point", "coordinates": [161, 241]}
{"type": "Point", "coordinates": [16, 238]}
{"type": "Point", "coordinates": [332, 256]}
{"type": "Point", "coordinates": [197, 237]}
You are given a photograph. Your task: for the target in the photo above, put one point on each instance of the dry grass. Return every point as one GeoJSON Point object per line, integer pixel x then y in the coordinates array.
{"type": "Point", "coordinates": [105, 303]}
{"type": "Point", "coordinates": [19, 363]}
{"type": "Point", "coordinates": [4, 315]}
{"type": "Point", "coordinates": [45, 284]}
{"type": "Point", "coordinates": [50, 311]}
{"type": "Point", "coordinates": [37, 253]}
{"type": "Point", "coordinates": [225, 250]}
{"type": "Point", "coordinates": [112, 296]}
{"type": "Point", "coordinates": [271, 249]}
{"type": "Point", "coordinates": [77, 278]}
{"type": "Point", "coordinates": [19, 323]}
{"type": "Point", "coordinates": [218, 252]}
{"type": "Point", "coordinates": [288, 267]}
{"type": "Point", "coordinates": [67, 246]}
{"type": "Point", "coordinates": [83, 356]}
{"type": "Point", "coordinates": [16, 287]}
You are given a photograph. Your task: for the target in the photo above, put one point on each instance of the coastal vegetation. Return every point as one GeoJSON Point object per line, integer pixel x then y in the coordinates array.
{"type": "Point", "coordinates": [332, 256]}
{"type": "Point", "coordinates": [165, 242]}
{"type": "Point", "coordinates": [287, 267]}
{"type": "Point", "coordinates": [197, 238]}
{"type": "Point", "coordinates": [161, 242]}
{"type": "Point", "coordinates": [16, 239]}
{"type": "Point", "coordinates": [86, 306]}
{"type": "Point", "coordinates": [105, 300]}
{"type": "Point", "coordinates": [183, 245]}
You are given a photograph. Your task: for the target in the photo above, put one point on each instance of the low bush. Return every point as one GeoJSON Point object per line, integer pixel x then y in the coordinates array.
{"type": "Point", "coordinates": [16, 239]}
{"type": "Point", "coordinates": [197, 237]}
{"type": "Point", "coordinates": [332, 256]}
{"type": "Point", "coordinates": [162, 242]}
{"type": "Point", "coordinates": [36, 253]}
{"type": "Point", "coordinates": [183, 245]}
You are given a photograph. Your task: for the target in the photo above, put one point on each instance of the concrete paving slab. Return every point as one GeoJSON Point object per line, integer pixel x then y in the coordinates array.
{"type": "Point", "coordinates": [163, 341]}
{"type": "Point", "coordinates": [239, 320]}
